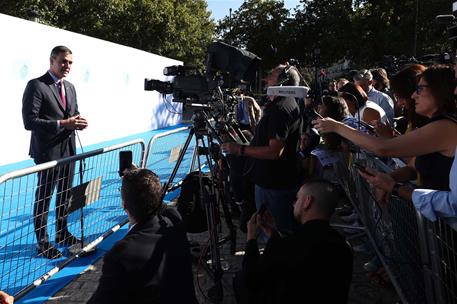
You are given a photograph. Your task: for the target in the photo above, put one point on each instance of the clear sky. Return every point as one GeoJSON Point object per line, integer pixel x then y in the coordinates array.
{"type": "Point", "coordinates": [220, 8]}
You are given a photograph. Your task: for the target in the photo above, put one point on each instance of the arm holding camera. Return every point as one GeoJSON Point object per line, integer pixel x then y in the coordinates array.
{"type": "Point", "coordinates": [262, 220]}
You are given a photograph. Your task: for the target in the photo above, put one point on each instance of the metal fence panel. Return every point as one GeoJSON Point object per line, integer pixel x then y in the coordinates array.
{"type": "Point", "coordinates": [443, 250]}
{"type": "Point", "coordinates": [95, 183]}
{"type": "Point", "coordinates": [163, 150]}
{"type": "Point", "coordinates": [392, 228]}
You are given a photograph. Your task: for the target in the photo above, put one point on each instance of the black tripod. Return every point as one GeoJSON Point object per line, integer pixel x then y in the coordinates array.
{"type": "Point", "coordinates": [212, 194]}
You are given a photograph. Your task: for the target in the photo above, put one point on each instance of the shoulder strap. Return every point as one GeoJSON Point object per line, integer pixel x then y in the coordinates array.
{"type": "Point", "coordinates": [451, 117]}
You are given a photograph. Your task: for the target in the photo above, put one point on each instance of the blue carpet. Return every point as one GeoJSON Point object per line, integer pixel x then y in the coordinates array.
{"type": "Point", "coordinates": [19, 266]}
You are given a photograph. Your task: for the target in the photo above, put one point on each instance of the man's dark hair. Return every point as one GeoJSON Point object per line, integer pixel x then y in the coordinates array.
{"type": "Point", "coordinates": [60, 49]}
{"type": "Point", "coordinates": [325, 195]}
{"type": "Point", "coordinates": [141, 192]}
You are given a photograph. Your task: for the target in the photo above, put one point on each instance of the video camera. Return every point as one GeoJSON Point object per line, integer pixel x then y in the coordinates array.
{"type": "Point", "coordinates": [191, 86]}
{"type": "Point", "coordinates": [188, 84]}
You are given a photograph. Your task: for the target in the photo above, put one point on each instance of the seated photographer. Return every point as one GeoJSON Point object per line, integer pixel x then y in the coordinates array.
{"type": "Point", "coordinates": [313, 265]}
{"type": "Point", "coordinates": [433, 144]}
{"type": "Point", "coordinates": [273, 151]}
{"type": "Point", "coordinates": [152, 263]}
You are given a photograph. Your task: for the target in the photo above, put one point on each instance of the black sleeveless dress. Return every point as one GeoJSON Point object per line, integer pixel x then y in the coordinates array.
{"type": "Point", "coordinates": [434, 168]}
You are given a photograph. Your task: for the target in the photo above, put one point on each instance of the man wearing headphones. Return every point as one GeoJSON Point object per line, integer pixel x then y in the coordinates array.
{"type": "Point", "coordinates": [273, 151]}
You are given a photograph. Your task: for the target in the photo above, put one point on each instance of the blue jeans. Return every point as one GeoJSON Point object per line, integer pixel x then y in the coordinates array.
{"type": "Point", "coordinates": [280, 202]}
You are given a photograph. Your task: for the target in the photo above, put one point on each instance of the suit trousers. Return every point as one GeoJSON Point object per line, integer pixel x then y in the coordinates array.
{"type": "Point", "coordinates": [62, 177]}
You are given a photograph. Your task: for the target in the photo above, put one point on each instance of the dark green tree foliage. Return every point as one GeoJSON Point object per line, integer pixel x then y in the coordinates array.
{"type": "Point", "coordinates": [180, 29]}
{"type": "Point", "coordinates": [361, 30]}
{"type": "Point", "coordinates": [258, 26]}
{"type": "Point", "coordinates": [388, 27]}
{"type": "Point", "coordinates": [324, 25]}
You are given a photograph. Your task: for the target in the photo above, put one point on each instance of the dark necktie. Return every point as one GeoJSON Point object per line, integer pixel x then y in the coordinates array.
{"type": "Point", "coordinates": [62, 95]}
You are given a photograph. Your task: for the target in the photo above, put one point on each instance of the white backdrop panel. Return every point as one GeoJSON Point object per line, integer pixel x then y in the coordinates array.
{"type": "Point", "coordinates": [109, 81]}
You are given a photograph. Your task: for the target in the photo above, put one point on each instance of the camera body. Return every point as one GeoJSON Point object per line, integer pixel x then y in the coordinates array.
{"type": "Point", "coordinates": [188, 84]}
{"type": "Point", "coordinates": [226, 66]}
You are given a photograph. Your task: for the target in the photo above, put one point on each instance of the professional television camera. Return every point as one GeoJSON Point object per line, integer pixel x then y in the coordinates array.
{"type": "Point", "coordinates": [188, 84]}
{"type": "Point", "coordinates": [191, 86]}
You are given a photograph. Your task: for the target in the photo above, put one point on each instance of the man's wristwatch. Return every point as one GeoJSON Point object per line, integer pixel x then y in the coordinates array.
{"type": "Point", "coordinates": [396, 188]}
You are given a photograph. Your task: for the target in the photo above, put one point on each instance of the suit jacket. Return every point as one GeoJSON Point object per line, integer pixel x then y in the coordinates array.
{"type": "Point", "coordinates": [314, 265]}
{"type": "Point", "coordinates": [41, 109]}
{"type": "Point", "coordinates": [151, 264]}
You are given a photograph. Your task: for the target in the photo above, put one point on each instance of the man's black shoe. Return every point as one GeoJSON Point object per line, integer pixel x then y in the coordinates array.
{"type": "Point", "coordinates": [67, 239]}
{"type": "Point", "coordinates": [48, 251]}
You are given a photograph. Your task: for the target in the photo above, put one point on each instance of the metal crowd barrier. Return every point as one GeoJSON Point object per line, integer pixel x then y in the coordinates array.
{"type": "Point", "coordinates": [163, 150]}
{"type": "Point", "coordinates": [94, 208]}
{"type": "Point", "coordinates": [419, 256]}
{"type": "Point", "coordinates": [95, 211]}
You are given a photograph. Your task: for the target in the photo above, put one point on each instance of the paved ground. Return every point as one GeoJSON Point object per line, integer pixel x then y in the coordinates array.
{"type": "Point", "coordinates": [363, 290]}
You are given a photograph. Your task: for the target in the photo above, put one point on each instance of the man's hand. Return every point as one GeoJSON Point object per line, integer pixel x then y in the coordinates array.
{"type": "Point", "coordinates": [74, 123]}
{"type": "Point", "coordinates": [267, 223]}
{"type": "Point", "coordinates": [5, 298]}
{"type": "Point", "coordinates": [231, 148]}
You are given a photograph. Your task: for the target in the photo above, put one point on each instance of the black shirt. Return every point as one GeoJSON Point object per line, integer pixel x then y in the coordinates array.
{"type": "Point", "coordinates": [434, 168]}
{"type": "Point", "coordinates": [281, 120]}
{"type": "Point", "coordinates": [314, 265]}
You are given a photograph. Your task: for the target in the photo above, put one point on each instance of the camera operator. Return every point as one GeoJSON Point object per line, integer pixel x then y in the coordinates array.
{"type": "Point", "coordinates": [153, 259]}
{"type": "Point", "coordinates": [273, 151]}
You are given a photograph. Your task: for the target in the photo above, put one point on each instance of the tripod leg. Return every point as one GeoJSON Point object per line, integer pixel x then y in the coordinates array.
{"type": "Point", "coordinates": [215, 293]}
{"type": "Point", "coordinates": [178, 163]}
{"type": "Point", "coordinates": [225, 201]}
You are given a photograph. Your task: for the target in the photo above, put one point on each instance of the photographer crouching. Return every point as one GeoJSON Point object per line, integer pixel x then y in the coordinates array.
{"type": "Point", "coordinates": [153, 259]}
{"type": "Point", "coordinates": [273, 151]}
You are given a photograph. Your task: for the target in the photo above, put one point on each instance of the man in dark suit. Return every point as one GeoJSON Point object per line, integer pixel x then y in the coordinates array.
{"type": "Point", "coordinates": [313, 265]}
{"type": "Point", "coordinates": [152, 263]}
{"type": "Point", "coordinates": [50, 111]}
